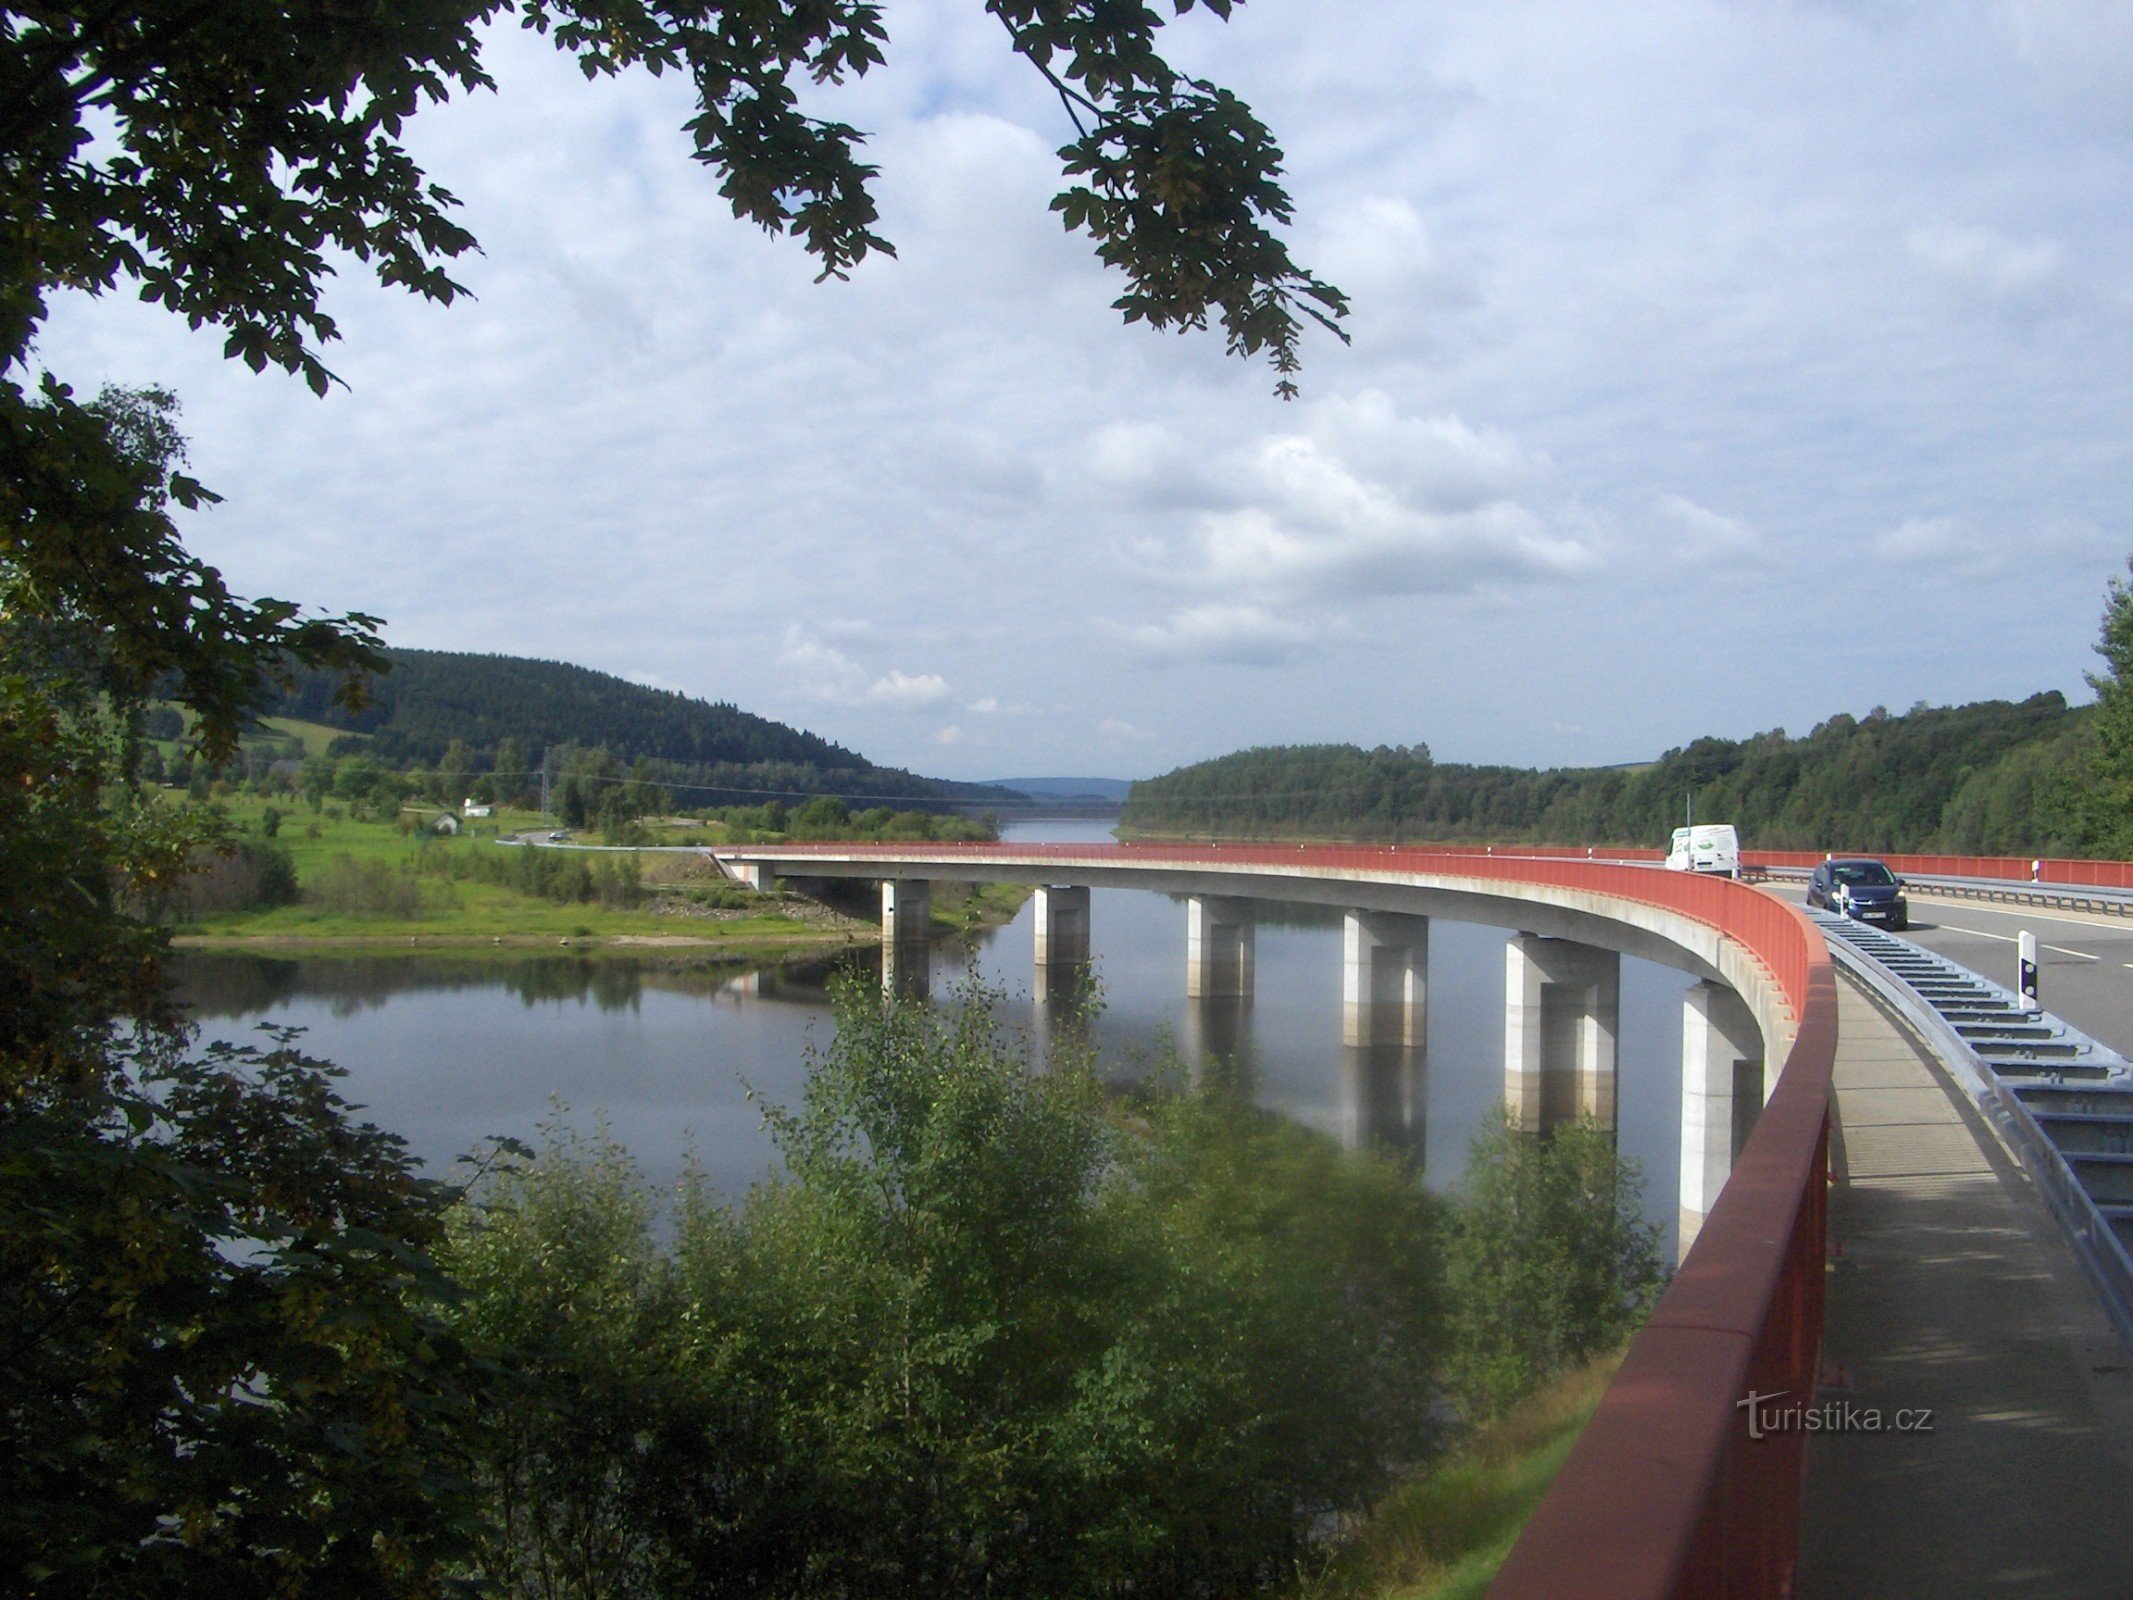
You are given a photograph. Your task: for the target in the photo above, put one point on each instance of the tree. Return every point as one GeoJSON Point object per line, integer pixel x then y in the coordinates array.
{"type": "Point", "coordinates": [250, 141]}
{"type": "Point", "coordinates": [2101, 796]}
{"type": "Point", "coordinates": [511, 773]}
{"type": "Point", "coordinates": [217, 1369]}
{"type": "Point", "coordinates": [216, 1374]}
{"type": "Point", "coordinates": [87, 541]}
{"type": "Point", "coordinates": [1551, 1261]}
{"type": "Point", "coordinates": [981, 1336]}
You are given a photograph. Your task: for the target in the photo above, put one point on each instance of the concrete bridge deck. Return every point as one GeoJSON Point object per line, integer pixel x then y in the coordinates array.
{"type": "Point", "coordinates": [1952, 1288]}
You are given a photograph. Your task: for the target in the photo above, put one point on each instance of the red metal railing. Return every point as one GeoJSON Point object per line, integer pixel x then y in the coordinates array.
{"type": "Point", "coordinates": [2068, 870]}
{"type": "Point", "coordinates": [1665, 1493]}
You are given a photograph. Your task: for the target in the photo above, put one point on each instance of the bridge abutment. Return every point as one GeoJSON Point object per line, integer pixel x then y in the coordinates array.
{"type": "Point", "coordinates": [756, 875]}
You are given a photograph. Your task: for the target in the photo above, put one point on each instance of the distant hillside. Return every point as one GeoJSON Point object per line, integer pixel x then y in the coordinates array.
{"type": "Point", "coordinates": [432, 699]}
{"type": "Point", "coordinates": [1055, 790]}
{"type": "Point", "coordinates": [1979, 777]}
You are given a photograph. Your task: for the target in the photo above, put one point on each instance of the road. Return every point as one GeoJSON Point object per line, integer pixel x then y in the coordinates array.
{"type": "Point", "coordinates": [2086, 961]}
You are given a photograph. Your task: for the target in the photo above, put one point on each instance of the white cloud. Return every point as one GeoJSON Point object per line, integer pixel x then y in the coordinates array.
{"type": "Point", "coordinates": [984, 706]}
{"type": "Point", "coordinates": [1685, 277]}
{"type": "Point", "coordinates": [1118, 730]}
{"type": "Point", "coordinates": [1986, 262]}
{"type": "Point", "coordinates": [1933, 546]}
{"type": "Point", "coordinates": [900, 688]}
{"type": "Point", "coordinates": [1369, 502]}
{"type": "Point", "coordinates": [826, 674]}
{"type": "Point", "coordinates": [1712, 536]}
{"type": "Point", "coordinates": [1151, 467]}
{"type": "Point", "coordinates": [1241, 635]}
{"type": "Point", "coordinates": [948, 735]}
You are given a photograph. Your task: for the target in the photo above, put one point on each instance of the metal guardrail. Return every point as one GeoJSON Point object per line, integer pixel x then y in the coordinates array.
{"type": "Point", "coordinates": [2096, 1243]}
{"type": "Point", "coordinates": [2020, 892]}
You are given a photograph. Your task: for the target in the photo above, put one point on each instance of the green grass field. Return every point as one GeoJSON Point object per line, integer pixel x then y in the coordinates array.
{"type": "Point", "coordinates": [462, 911]}
{"type": "Point", "coordinates": [314, 736]}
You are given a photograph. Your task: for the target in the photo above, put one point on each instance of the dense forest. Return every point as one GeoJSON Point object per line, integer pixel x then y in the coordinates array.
{"type": "Point", "coordinates": [510, 716]}
{"type": "Point", "coordinates": [1986, 777]}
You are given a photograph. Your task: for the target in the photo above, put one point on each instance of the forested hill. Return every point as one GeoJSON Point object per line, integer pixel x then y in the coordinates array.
{"type": "Point", "coordinates": [532, 710]}
{"type": "Point", "coordinates": [1979, 777]}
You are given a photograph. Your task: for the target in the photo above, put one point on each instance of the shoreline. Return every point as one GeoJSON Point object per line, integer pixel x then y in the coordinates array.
{"type": "Point", "coordinates": [400, 943]}
{"type": "Point", "coordinates": [813, 929]}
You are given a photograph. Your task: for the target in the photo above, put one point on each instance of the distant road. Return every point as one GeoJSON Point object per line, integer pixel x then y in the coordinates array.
{"type": "Point", "coordinates": [2086, 959]}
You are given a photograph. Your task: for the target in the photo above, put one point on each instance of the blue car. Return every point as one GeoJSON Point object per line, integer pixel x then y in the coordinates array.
{"type": "Point", "coordinates": [1861, 887]}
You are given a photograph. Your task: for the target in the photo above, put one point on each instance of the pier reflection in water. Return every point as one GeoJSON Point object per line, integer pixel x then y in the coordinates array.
{"type": "Point", "coordinates": [448, 1051]}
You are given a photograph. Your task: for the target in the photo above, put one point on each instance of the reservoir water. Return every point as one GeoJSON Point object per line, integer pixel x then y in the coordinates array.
{"type": "Point", "coordinates": [675, 1057]}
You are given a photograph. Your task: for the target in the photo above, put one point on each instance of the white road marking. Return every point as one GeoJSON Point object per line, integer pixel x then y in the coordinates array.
{"type": "Point", "coordinates": [2031, 914]}
{"type": "Point", "coordinates": [2008, 938]}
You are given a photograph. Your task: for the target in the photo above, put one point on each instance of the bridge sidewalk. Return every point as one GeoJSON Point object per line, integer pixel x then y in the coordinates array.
{"type": "Point", "coordinates": [1951, 1288]}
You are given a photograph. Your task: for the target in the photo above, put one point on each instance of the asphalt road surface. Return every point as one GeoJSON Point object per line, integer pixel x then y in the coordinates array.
{"type": "Point", "coordinates": [2086, 960]}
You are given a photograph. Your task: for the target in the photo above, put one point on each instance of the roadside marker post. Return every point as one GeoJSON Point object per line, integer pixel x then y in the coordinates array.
{"type": "Point", "coordinates": [2026, 971]}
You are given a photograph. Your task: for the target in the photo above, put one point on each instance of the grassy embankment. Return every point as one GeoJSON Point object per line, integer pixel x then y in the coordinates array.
{"type": "Point", "coordinates": [1442, 1535]}
{"type": "Point", "coordinates": [687, 903]}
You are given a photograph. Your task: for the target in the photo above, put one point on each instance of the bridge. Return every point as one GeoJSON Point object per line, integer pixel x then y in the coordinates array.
{"type": "Point", "coordinates": [1674, 1489]}
{"type": "Point", "coordinates": [1715, 1511]}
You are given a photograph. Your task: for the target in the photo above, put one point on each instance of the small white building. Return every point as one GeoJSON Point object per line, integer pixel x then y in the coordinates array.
{"type": "Point", "coordinates": [475, 808]}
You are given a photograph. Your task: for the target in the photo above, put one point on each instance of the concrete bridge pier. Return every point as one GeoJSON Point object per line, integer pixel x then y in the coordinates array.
{"type": "Point", "coordinates": [1061, 916]}
{"type": "Point", "coordinates": [1384, 979]}
{"type": "Point", "coordinates": [906, 937]}
{"type": "Point", "coordinates": [1060, 982]}
{"type": "Point", "coordinates": [1218, 947]}
{"type": "Point", "coordinates": [906, 909]}
{"type": "Point", "coordinates": [1562, 1014]}
{"type": "Point", "coordinates": [1722, 1092]}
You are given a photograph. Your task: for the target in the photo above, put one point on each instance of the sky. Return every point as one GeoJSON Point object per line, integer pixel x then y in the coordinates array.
{"type": "Point", "coordinates": [1716, 367]}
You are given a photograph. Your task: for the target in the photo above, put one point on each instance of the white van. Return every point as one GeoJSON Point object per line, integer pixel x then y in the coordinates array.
{"type": "Point", "coordinates": [1707, 847]}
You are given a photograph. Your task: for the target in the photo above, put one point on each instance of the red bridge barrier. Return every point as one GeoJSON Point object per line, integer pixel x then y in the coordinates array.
{"type": "Point", "coordinates": [1665, 1494]}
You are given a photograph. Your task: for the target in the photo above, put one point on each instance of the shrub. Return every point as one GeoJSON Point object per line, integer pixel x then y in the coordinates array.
{"type": "Point", "coordinates": [984, 1335]}
{"type": "Point", "coordinates": [239, 875]}
{"type": "Point", "coordinates": [1551, 1261]}
{"type": "Point", "coordinates": [349, 887]}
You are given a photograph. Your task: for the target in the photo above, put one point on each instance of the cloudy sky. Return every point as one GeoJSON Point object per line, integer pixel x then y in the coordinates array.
{"type": "Point", "coordinates": [1716, 366]}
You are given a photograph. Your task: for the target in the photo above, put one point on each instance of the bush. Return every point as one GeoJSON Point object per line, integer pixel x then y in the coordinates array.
{"type": "Point", "coordinates": [349, 887]}
{"type": "Point", "coordinates": [563, 877]}
{"type": "Point", "coordinates": [984, 1335]}
{"type": "Point", "coordinates": [1551, 1261]}
{"type": "Point", "coordinates": [240, 875]}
